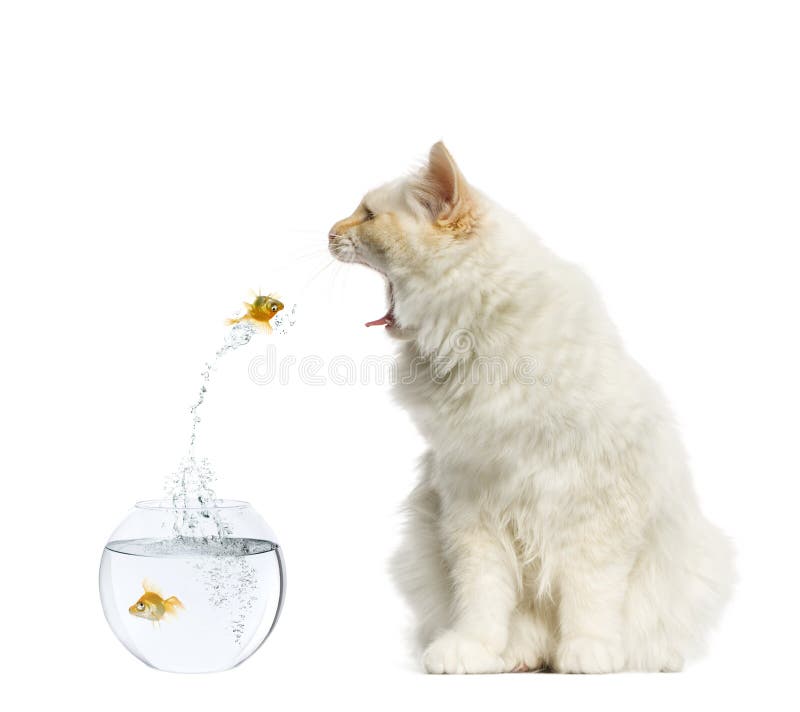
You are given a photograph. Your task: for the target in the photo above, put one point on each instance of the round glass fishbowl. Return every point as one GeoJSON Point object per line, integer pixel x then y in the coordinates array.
{"type": "Point", "coordinates": [192, 588]}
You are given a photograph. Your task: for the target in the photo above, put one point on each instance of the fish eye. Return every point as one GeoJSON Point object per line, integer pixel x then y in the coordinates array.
{"type": "Point", "coordinates": [140, 606]}
{"type": "Point", "coordinates": [274, 307]}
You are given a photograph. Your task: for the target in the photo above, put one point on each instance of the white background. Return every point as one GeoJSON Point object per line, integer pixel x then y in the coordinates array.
{"type": "Point", "coordinates": [158, 159]}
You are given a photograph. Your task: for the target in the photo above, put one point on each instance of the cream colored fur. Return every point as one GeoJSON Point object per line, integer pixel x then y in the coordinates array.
{"type": "Point", "coordinates": [554, 523]}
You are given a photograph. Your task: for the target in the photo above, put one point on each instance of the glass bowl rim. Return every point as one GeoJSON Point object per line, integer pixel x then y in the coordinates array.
{"type": "Point", "coordinates": [169, 505]}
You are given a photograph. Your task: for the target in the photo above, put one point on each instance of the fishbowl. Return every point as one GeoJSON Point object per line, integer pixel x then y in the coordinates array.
{"type": "Point", "coordinates": [192, 587]}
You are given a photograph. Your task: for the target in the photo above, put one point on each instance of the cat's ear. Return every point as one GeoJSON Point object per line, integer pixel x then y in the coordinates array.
{"type": "Point", "coordinates": [442, 191]}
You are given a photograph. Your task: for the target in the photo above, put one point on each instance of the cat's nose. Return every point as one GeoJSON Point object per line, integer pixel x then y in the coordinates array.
{"type": "Point", "coordinates": [331, 236]}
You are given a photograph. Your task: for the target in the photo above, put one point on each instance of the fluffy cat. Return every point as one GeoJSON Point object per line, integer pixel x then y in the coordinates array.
{"type": "Point", "coordinates": [554, 524]}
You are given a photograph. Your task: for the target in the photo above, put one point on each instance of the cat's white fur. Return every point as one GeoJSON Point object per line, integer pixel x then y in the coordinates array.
{"type": "Point", "coordinates": [554, 523]}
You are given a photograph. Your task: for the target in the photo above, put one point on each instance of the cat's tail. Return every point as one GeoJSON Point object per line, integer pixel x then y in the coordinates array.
{"type": "Point", "coordinates": [677, 592]}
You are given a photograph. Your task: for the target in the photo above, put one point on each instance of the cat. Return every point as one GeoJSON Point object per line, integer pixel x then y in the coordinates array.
{"type": "Point", "coordinates": [554, 525]}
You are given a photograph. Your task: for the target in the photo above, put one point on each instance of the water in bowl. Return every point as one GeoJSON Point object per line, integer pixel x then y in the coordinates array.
{"type": "Point", "coordinates": [230, 590]}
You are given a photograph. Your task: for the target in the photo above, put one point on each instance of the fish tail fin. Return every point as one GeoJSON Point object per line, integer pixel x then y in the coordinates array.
{"type": "Point", "coordinates": [172, 604]}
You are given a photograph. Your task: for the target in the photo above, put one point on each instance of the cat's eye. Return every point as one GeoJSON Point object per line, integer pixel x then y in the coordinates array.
{"type": "Point", "coordinates": [368, 215]}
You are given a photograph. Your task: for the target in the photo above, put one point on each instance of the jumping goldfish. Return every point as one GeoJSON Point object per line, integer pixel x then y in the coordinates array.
{"type": "Point", "coordinates": [151, 606]}
{"type": "Point", "coordinates": [261, 311]}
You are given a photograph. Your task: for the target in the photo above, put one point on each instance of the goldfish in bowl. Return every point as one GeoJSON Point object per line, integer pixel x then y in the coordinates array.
{"type": "Point", "coordinates": [203, 597]}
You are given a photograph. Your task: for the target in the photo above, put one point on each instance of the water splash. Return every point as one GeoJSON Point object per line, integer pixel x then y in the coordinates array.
{"type": "Point", "coordinates": [232, 584]}
{"type": "Point", "coordinates": [239, 335]}
{"type": "Point", "coordinates": [285, 320]}
{"type": "Point", "coordinates": [190, 489]}
{"type": "Point", "coordinates": [230, 581]}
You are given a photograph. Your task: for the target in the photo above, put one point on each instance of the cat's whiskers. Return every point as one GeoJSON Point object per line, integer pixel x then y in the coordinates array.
{"type": "Point", "coordinates": [317, 274]}
{"type": "Point", "coordinates": [319, 252]}
{"type": "Point", "coordinates": [339, 266]}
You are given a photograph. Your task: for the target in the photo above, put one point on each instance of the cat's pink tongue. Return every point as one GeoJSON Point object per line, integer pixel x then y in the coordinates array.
{"type": "Point", "coordinates": [383, 321]}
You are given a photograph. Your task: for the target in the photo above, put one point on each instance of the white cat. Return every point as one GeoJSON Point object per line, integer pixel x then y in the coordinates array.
{"type": "Point", "coordinates": [554, 524]}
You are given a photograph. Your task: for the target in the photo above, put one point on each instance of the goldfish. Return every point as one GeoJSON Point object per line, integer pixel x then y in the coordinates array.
{"type": "Point", "coordinates": [151, 606]}
{"type": "Point", "coordinates": [261, 311]}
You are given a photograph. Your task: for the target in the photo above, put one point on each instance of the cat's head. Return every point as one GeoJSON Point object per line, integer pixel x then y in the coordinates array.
{"type": "Point", "coordinates": [413, 230]}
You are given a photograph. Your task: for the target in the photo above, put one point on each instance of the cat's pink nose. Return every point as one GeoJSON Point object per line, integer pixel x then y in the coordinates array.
{"type": "Point", "coordinates": [331, 236]}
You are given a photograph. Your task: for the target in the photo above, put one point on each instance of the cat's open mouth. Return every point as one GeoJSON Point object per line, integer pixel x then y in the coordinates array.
{"type": "Point", "coordinates": [388, 318]}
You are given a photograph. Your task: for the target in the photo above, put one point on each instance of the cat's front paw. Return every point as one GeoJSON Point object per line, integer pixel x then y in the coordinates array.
{"type": "Point", "coordinates": [589, 655]}
{"type": "Point", "coordinates": [453, 653]}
